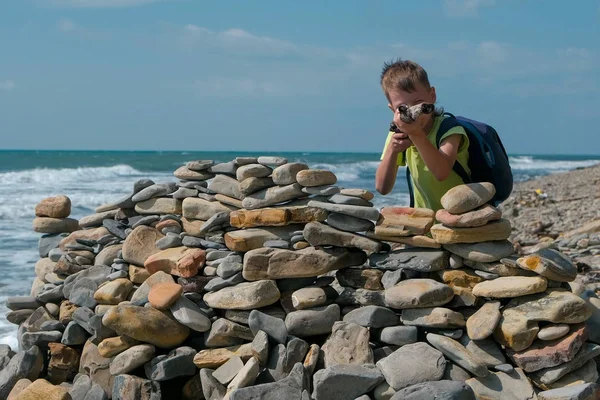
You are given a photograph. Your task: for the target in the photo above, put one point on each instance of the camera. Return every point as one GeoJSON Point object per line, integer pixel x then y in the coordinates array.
{"type": "Point", "coordinates": [410, 114]}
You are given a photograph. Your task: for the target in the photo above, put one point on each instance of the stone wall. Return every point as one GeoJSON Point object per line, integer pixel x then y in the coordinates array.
{"type": "Point", "coordinates": [259, 278]}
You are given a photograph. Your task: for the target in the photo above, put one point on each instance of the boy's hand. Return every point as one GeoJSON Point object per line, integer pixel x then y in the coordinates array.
{"type": "Point", "coordinates": [399, 143]}
{"type": "Point", "coordinates": [411, 129]}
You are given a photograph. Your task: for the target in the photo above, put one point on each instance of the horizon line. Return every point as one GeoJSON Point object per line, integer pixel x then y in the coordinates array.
{"type": "Point", "coordinates": [271, 152]}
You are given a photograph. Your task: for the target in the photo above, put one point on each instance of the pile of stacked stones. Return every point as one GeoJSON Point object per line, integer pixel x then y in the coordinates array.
{"type": "Point", "coordinates": [259, 278]}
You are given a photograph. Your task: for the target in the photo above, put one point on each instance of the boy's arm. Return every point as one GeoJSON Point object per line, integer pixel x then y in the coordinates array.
{"type": "Point", "coordinates": [385, 178]}
{"type": "Point", "coordinates": [439, 162]}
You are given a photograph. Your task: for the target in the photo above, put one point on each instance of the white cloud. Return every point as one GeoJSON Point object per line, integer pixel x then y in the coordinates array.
{"type": "Point", "coordinates": [101, 3]}
{"type": "Point", "coordinates": [465, 8]}
{"type": "Point", "coordinates": [66, 25]}
{"type": "Point", "coordinates": [234, 40]}
{"type": "Point", "coordinates": [7, 86]}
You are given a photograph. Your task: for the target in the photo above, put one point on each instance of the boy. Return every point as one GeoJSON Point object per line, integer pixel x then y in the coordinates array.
{"type": "Point", "coordinates": [406, 83]}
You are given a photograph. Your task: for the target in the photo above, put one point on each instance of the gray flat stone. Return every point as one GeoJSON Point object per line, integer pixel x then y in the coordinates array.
{"type": "Point", "coordinates": [25, 364]}
{"type": "Point", "coordinates": [372, 317]}
{"type": "Point", "coordinates": [348, 223]}
{"type": "Point", "coordinates": [131, 359]}
{"type": "Point", "coordinates": [412, 364]}
{"type": "Point", "coordinates": [368, 213]}
{"type": "Point", "coordinates": [345, 382]}
{"type": "Point", "coordinates": [316, 321]}
{"type": "Point", "coordinates": [482, 252]}
{"type": "Point", "coordinates": [585, 391]}
{"type": "Point", "coordinates": [437, 390]}
{"type": "Point", "coordinates": [423, 260]}
{"type": "Point", "coordinates": [287, 388]}
{"type": "Point", "coordinates": [49, 242]}
{"type": "Point", "coordinates": [178, 363]}
{"type": "Point", "coordinates": [272, 326]}
{"type": "Point", "coordinates": [459, 354]}
{"type": "Point", "coordinates": [186, 312]}
{"type": "Point", "coordinates": [399, 335]}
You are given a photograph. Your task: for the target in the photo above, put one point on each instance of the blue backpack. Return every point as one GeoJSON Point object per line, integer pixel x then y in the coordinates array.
{"type": "Point", "coordinates": [488, 160]}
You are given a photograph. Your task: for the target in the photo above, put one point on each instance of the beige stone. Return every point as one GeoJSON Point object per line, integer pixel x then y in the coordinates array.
{"type": "Point", "coordinates": [308, 297]}
{"type": "Point", "coordinates": [493, 231]}
{"type": "Point", "coordinates": [510, 286]}
{"type": "Point", "coordinates": [137, 274]}
{"type": "Point", "coordinates": [141, 244]}
{"type": "Point", "coordinates": [437, 317]}
{"type": "Point", "coordinates": [268, 263]}
{"type": "Point", "coordinates": [18, 388]}
{"type": "Point", "coordinates": [185, 173]}
{"type": "Point", "coordinates": [146, 325]}
{"type": "Point", "coordinates": [96, 367]}
{"type": "Point", "coordinates": [418, 293]}
{"type": "Point", "coordinates": [348, 344]}
{"type": "Point", "coordinates": [192, 226]}
{"type": "Point", "coordinates": [244, 296]}
{"type": "Point", "coordinates": [55, 225]}
{"type": "Point", "coordinates": [254, 238]}
{"type": "Point", "coordinates": [228, 201]}
{"type": "Point", "coordinates": [43, 267]}
{"type": "Point", "coordinates": [316, 177]}
{"type": "Point", "coordinates": [54, 207]}
{"type": "Point", "coordinates": [113, 292]}
{"type": "Point", "coordinates": [482, 324]}
{"type": "Point", "coordinates": [413, 241]}
{"type": "Point", "coordinates": [197, 208]}
{"type": "Point", "coordinates": [41, 389]}
{"type": "Point", "coordinates": [260, 217]}
{"type": "Point", "coordinates": [112, 346]}
{"type": "Point", "coordinates": [464, 198]}
{"type": "Point", "coordinates": [362, 193]}
{"type": "Point", "coordinates": [460, 277]}
{"type": "Point", "coordinates": [417, 221]}
{"type": "Point", "coordinates": [214, 358]}
{"type": "Point", "coordinates": [160, 205]}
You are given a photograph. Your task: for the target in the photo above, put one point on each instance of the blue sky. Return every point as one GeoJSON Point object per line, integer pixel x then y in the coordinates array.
{"type": "Point", "coordinates": [288, 75]}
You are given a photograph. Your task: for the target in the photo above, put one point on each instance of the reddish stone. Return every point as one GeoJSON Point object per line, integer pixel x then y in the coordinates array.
{"type": "Point", "coordinates": [546, 354]}
{"type": "Point", "coordinates": [478, 217]}
{"type": "Point", "coordinates": [178, 261]}
{"type": "Point", "coordinates": [164, 294]}
{"type": "Point", "coordinates": [167, 223]}
{"type": "Point", "coordinates": [64, 363]}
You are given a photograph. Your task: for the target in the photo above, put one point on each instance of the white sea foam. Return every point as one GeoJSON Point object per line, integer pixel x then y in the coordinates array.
{"type": "Point", "coordinates": [524, 163]}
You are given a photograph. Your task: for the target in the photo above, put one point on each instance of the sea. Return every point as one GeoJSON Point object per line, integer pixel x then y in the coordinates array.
{"type": "Point", "coordinates": [92, 178]}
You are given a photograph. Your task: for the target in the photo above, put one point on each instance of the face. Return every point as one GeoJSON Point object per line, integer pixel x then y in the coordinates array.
{"type": "Point", "coordinates": [420, 95]}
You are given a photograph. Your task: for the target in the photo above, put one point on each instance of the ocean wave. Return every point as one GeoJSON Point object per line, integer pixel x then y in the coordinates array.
{"type": "Point", "coordinates": [524, 163]}
{"type": "Point", "coordinates": [347, 172]}
{"type": "Point", "coordinates": [65, 175]}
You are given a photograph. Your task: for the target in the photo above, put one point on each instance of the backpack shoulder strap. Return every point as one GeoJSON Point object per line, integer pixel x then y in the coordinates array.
{"type": "Point", "coordinates": [445, 126]}
{"type": "Point", "coordinates": [409, 184]}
